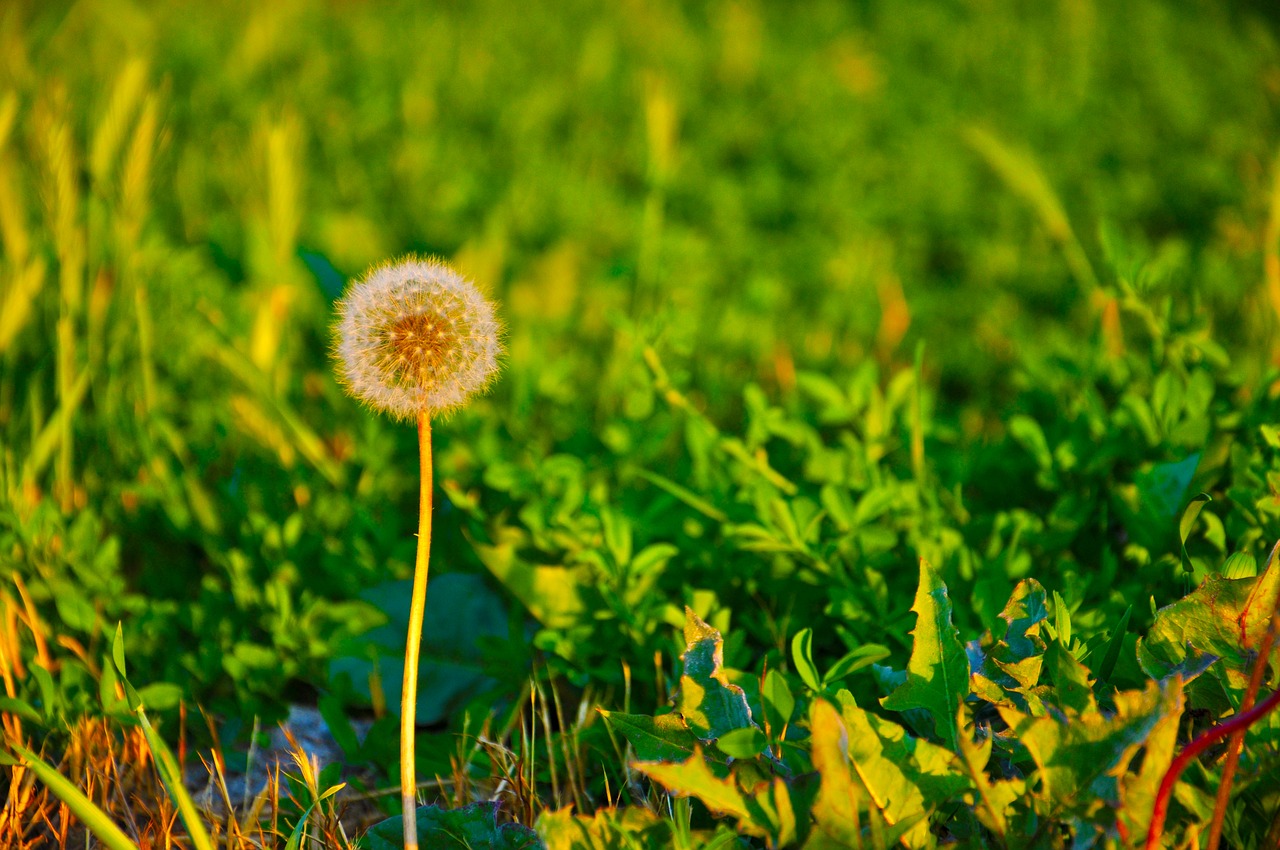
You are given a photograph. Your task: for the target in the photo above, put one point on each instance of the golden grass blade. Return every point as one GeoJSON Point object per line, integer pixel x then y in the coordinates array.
{"type": "Point", "coordinates": [51, 435]}
{"type": "Point", "coordinates": [125, 96]}
{"type": "Point", "coordinates": [19, 297]}
{"type": "Point", "coordinates": [81, 806]}
{"type": "Point", "coordinates": [166, 765]}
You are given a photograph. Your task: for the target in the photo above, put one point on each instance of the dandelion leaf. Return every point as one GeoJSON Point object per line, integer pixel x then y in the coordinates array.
{"type": "Point", "coordinates": [664, 738]}
{"type": "Point", "coordinates": [938, 672]}
{"type": "Point", "coordinates": [903, 775]}
{"type": "Point", "coordinates": [1222, 619]}
{"type": "Point", "coordinates": [632, 827]}
{"type": "Point", "coordinates": [766, 811]}
{"type": "Point", "coordinates": [709, 703]}
{"type": "Point", "coordinates": [1078, 756]}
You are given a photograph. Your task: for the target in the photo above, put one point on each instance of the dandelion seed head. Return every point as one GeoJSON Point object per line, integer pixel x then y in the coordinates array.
{"type": "Point", "coordinates": [414, 336]}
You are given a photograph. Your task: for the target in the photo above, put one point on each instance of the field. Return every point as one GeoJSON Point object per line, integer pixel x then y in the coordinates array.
{"type": "Point", "coordinates": [885, 451]}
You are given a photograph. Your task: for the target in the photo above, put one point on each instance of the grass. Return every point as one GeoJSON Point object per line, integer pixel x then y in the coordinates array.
{"type": "Point", "coordinates": [795, 297]}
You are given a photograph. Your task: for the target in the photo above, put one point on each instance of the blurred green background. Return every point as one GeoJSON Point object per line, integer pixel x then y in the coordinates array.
{"type": "Point", "coordinates": [755, 198]}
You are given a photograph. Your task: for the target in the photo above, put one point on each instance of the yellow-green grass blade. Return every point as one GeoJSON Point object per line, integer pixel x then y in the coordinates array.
{"type": "Point", "coordinates": [81, 806]}
{"type": "Point", "coordinates": [165, 762]}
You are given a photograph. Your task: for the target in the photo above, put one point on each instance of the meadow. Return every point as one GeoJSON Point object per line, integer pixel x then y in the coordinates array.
{"type": "Point", "coordinates": [886, 449]}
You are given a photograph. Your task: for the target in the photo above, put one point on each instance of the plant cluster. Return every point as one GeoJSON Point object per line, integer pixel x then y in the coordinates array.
{"type": "Point", "coordinates": [796, 298]}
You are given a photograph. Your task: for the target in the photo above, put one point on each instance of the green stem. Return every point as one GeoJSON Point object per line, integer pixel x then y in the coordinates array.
{"type": "Point", "coordinates": [417, 607]}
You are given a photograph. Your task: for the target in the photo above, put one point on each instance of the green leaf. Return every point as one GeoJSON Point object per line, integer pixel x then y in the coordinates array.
{"type": "Point", "coordinates": [96, 820]}
{"type": "Point", "coordinates": [663, 738]}
{"type": "Point", "coordinates": [1079, 757]}
{"type": "Point", "coordinates": [904, 775]}
{"type": "Point", "coordinates": [1072, 690]}
{"type": "Point", "coordinates": [836, 808]}
{"type": "Point", "coordinates": [1114, 645]}
{"type": "Point", "coordinates": [1221, 619]}
{"type": "Point", "coordinates": [551, 594]}
{"type": "Point", "coordinates": [299, 829]}
{"type": "Point", "coordinates": [1138, 788]}
{"type": "Point", "coordinates": [709, 703]}
{"type": "Point", "coordinates": [990, 800]}
{"type": "Point", "coordinates": [117, 650]}
{"type": "Point", "coordinates": [462, 613]}
{"type": "Point", "coordinates": [1061, 619]}
{"type": "Point", "coordinates": [21, 708]}
{"type": "Point", "coordinates": [802, 657]}
{"type": "Point", "coordinates": [767, 811]}
{"type": "Point", "coordinates": [779, 704]}
{"type": "Point", "coordinates": [742, 743]}
{"type": "Point", "coordinates": [166, 765]}
{"type": "Point", "coordinates": [863, 656]}
{"type": "Point", "coordinates": [938, 672]}
{"type": "Point", "coordinates": [473, 827]}
{"type": "Point", "coordinates": [1188, 522]}
{"type": "Point", "coordinates": [1240, 565]}
{"type": "Point", "coordinates": [632, 828]}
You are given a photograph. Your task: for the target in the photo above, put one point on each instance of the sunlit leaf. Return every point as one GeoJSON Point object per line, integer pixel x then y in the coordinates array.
{"type": "Point", "coordinates": [938, 672]}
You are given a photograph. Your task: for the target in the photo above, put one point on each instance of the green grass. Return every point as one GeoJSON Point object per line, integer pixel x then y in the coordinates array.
{"type": "Point", "coordinates": [794, 296]}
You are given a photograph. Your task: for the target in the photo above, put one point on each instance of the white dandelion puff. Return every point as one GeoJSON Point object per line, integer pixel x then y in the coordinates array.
{"type": "Point", "coordinates": [415, 337]}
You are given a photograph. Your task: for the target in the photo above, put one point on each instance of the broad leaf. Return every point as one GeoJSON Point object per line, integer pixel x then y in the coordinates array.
{"type": "Point", "coordinates": [840, 796]}
{"type": "Point", "coordinates": [1079, 758]}
{"type": "Point", "coordinates": [904, 775]}
{"type": "Point", "coordinates": [473, 827]}
{"type": "Point", "coordinates": [664, 738]}
{"type": "Point", "coordinates": [938, 672]}
{"type": "Point", "coordinates": [461, 611]}
{"type": "Point", "coordinates": [990, 799]}
{"type": "Point", "coordinates": [708, 702]}
{"type": "Point", "coordinates": [633, 827]}
{"type": "Point", "coordinates": [1138, 788]}
{"type": "Point", "coordinates": [1222, 619]}
{"type": "Point", "coordinates": [552, 594]}
{"type": "Point", "coordinates": [765, 811]}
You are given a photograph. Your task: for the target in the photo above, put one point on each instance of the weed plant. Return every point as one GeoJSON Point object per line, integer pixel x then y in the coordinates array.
{"type": "Point", "coordinates": [887, 454]}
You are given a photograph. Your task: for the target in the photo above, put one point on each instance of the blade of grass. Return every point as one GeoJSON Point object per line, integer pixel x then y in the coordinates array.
{"type": "Point", "coordinates": [94, 819]}
{"type": "Point", "coordinates": [165, 763]}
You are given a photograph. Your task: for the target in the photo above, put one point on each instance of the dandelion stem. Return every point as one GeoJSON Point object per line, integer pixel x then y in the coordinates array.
{"type": "Point", "coordinates": [417, 607]}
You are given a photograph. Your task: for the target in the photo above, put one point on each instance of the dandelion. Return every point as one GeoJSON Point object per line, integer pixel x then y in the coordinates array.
{"type": "Point", "coordinates": [415, 339]}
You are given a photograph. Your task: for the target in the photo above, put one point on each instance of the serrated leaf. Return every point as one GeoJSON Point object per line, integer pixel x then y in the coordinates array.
{"type": "Point", "coordinates": [1221, 619]}
{"type": "Point", "coordinates": [1079, 758]}
{"type": "Point", "coordinates": [1138, 788]}
{"type": "Point", "coordinates": [938, 672]}
{"type": "Point", "coordinates": [766, 811]}
{"type": "Point", "coordinates": [633, 828]}
{"type": "Point", "coordinates": [664, 738]}
{"type": "Point", "coordinates": [904, 775]}
{"type": "Point", "coordinates": [709, 703]}
{"type": "Point", "coordinates": [990, 799]}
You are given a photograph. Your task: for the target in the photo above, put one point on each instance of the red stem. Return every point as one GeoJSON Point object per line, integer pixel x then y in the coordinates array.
{"type": "Point", "coordinates": [1241, 721]}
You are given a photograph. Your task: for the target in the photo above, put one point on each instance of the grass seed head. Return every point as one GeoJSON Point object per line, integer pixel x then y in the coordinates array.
{"type": "Point", "coordinates": [414, 337]}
